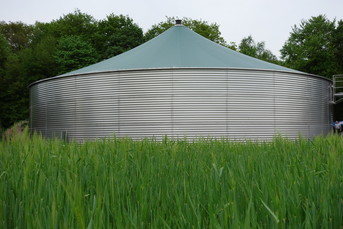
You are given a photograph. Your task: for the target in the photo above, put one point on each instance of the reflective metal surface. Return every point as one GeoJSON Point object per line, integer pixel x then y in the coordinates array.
{"type": "Point", "coordinates": [235, 104]}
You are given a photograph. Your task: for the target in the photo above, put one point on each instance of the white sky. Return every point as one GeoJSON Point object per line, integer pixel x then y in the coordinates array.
{"type": "Point", "coordinates": [266, 20]}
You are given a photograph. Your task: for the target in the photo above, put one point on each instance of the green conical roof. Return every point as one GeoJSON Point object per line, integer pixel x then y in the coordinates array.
{"type": "Point", "coordinates": [179, 47]}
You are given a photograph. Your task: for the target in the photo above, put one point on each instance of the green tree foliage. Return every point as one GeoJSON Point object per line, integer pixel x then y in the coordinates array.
{"type": "Point", "coordinates": [42, 63]}
{"type": "Point", "coordinates": [19, 70]}
{"type": "Point", "coordinates": [117, 34]}
{"type": "Point", "coordinates": [338, 44]}
{"type": "Point", "coordinates": [4, 56]}
{"type": "Point", "coordinates": [14, 91]}
{"type": "Point", "coordinates": [249, 47]}
{"type": "Point", "coordinates": [17, 34]}
{"type": "Point", "coordinates": [14, 44]}
{"type": "Point", "coordinates": [310, 47]}
{"type": "Point", "coordinates": [4, 53]}
{"type": "Point", "coordinates": [72, 24]}
{"type": "Point", "coordinates": [210, 31]}
{"type": "Point", "coordinates": [73, 53]}
{"type": "Point", "coordinates": [76, 24]}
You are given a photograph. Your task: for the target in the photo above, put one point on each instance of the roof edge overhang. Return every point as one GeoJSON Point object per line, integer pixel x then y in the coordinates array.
{"type": "Point", "coordinates": [177, 68]}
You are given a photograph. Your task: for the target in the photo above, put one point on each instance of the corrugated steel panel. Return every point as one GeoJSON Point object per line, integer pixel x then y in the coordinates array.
{"type": "Point", "coordinates": [235, 104]}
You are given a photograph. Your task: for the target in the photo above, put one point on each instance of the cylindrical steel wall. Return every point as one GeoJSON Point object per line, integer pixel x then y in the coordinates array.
{"type": "Point", "coordinates": [235, 104]}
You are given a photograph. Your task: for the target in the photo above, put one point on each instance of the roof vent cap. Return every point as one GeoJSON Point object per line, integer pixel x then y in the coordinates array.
{"type": "Point", "coordinates": [178, 22]}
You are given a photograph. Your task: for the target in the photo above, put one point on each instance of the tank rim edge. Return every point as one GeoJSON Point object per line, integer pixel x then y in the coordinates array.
{"type": "Point", "coordinates": [176, 68]}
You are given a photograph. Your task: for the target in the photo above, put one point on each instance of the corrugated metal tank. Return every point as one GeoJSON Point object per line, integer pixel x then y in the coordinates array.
{"type": "Point", "coordinates": [230, 103]}
{"type": "Point", "coordinates": [181, 84]}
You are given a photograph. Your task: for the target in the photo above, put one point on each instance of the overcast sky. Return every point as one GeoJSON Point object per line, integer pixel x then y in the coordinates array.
{"type": "Point", "coordinates": [266, 20]}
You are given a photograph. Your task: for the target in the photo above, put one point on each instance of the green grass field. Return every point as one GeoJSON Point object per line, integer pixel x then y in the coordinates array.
{"type": "Point", "coordinates": [121, 183]}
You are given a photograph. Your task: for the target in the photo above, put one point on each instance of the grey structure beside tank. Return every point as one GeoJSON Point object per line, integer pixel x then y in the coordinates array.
{"type": "Point", "coordinates": [181, 84]}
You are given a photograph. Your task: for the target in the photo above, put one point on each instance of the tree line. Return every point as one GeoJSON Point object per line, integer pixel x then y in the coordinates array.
{"type": "Point", "coordinates": [32, 52]}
